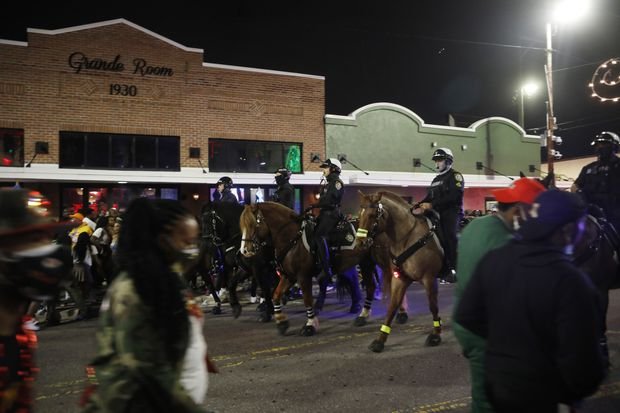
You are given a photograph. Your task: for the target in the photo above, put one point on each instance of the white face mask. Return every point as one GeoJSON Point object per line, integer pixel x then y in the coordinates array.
{"type": "Point", "coordinates": [516, 224]}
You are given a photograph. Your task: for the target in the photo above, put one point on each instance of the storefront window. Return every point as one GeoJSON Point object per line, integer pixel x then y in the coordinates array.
{"type": "Point", "coordinates": [106, 151]}
{"type": "Point", "coordinates": [11, 147]}
{"type": "Point", "coordinates": [100, 198]}
{"type": "Point", "coordinates": [227, 155]}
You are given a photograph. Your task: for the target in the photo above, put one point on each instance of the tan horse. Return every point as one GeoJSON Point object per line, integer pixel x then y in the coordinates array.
{"type": "Point", "coordinates": [389, 214]}
{"type": "Point", "coordinates": [269, 221]}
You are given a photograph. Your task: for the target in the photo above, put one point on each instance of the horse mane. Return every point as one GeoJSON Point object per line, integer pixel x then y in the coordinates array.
{"type": "Point", "coordinates": [397, 199]}
{"type": "Point", "coordinates": [248, 216]}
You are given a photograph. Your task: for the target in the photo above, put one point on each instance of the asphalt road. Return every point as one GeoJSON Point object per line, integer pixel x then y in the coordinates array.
{"type": "Point", "coordinates": [333, 371]}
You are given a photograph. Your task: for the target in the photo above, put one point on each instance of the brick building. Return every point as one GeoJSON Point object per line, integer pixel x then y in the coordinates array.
{"type": "Point", "coordinates": [108, 111]}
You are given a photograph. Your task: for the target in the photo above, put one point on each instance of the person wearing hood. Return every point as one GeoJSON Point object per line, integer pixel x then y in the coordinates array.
{"type": "Point", "coordinates": [445, 196]}
{"type": "Point", "coordinates": [285, 193]}
{"type": "Point", "coordinates": [538, 312]}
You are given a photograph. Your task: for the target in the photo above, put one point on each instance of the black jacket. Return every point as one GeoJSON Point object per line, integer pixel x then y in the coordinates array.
{"type": "Point", "coordinates": [599, 183]}
{"type": "Point", "coordinates": [227, 196]}
{"type": "Point", "coordinates": [285, 195]}
{"type": "Point", "coordinates": [446, 192]}
{"type": "Point", "coordinates": [331, 194]}
{"type": "Point", "coordinates": [539, 314]}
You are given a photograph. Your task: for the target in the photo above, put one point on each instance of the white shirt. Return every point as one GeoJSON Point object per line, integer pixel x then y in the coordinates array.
{"type": "Point", "coordinates": [194, 376]}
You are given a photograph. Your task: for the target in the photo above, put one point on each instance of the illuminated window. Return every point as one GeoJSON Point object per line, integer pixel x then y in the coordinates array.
{"type": "Point", "coordinates": [11, 147]}
{"type": "Point", "coordinates": [228, 155]}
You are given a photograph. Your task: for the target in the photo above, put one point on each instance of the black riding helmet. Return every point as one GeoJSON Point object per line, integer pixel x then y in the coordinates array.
{"type": "Point", "coordinates": [227, 181]}
{"type": "Point", "coordinates": [607, 137]}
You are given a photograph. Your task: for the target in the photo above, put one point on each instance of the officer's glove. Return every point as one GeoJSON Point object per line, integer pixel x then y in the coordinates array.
{"type": "Point", "coordinates": [79, 272]}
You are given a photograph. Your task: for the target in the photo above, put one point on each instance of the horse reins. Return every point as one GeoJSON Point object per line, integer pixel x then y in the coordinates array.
{"type": "Point", "coordinates": [398, 260]}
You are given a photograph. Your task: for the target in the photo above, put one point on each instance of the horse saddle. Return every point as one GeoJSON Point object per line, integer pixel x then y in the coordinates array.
{"type": "Point", "coordinates": [341, 237]}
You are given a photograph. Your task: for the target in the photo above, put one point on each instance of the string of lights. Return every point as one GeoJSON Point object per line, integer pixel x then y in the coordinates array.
{"type": "Point", "coordinates": [605, 83]}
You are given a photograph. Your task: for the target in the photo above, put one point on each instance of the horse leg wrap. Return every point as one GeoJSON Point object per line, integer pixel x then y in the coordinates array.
{"type": "Point", "coordinates": [368, 303]}
{"type": "Point", "coordinates": [437, 325]}
{"type": "Point", "coordinates": [309, 312]}
{"type": "Point", "coordinates": [386, 329]}
{"type": "Point", "coordinates": [277, 309]}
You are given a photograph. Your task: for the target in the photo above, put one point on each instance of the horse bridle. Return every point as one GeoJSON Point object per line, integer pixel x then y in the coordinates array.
{"type": "Point", "coordinates": [370, 235]}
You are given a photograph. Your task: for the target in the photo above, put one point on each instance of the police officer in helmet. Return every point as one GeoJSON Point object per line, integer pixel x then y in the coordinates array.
{"type": "Point", "coordinates": [224, 186]}
{"type": "Point", "coordinates": [285, 193]}
{"type": "Point", "coordinates": [329, 204]}
{"type": "Point", "coordinates": [599, 181]}
{"type": "Point", "coordinates": [445, 196]}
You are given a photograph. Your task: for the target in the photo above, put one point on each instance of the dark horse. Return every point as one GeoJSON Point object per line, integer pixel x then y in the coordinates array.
{"type": "Point", "coordinates": [283, 228]}
{"type": "Point", "coordinates": [416, 251]}
{"type": "Point", "coordinates": [219, 258]}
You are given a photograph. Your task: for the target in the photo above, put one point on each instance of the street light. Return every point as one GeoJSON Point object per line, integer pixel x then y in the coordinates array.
{"type": "Point", "coordinates": [565, 11]}
{"type": "Point", "coordinates": [526, 91]}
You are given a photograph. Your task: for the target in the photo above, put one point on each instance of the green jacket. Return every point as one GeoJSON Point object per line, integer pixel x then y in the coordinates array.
{"type": "Point", "coordinates": [131, 370]}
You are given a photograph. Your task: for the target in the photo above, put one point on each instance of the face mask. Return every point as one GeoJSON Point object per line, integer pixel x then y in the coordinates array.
{"type": "Point", "coordinates": [186, 257]}
{"type": "Point", "coordinates": [604, 152]}
{"type": "Point", "coordinates": [38, 272]}
{"type": "Point", "coordinates": [440, 166]}
{"type": "Point", "coordinates": [280, 180]}
{"type": "Point", "coordinates": [516, 223]}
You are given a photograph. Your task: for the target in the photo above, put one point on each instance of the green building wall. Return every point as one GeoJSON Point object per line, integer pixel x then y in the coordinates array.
{"type": "Point", "coordinates": [387, 137]}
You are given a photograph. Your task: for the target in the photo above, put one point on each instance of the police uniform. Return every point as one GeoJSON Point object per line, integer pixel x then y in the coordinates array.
{"type": "Point", "coordinates": [227, 196]}
{"type": "Point", "coordinates": [446, 196]}
{"type": "Point", "coordinates": [285, 195]}
{"type": "Point", "coordinates": [329, 215]}
{"type": "Point", "coordinates": [599, 183]}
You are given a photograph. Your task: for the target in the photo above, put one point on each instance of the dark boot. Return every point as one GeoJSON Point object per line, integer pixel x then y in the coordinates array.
{"type": "Point", "coordinates": [323, 252]}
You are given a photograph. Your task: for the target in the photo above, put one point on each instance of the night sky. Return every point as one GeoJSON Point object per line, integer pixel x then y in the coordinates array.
{"type": "Point", "coordinates": [460, 57]}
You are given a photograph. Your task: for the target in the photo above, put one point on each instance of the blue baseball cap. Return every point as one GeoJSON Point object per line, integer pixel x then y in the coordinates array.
{"type": "Point", "coordinates": [551, 210]}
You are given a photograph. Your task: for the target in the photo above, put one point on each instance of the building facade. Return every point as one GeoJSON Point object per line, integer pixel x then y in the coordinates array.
{"type": "Point", "coordinates": [102, 113]}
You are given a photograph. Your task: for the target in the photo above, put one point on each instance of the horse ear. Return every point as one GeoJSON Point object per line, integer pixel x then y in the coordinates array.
{"type": "Point", "coordinates": [521, 174]}
{"type": "Point", "coordinates": [361, 194]}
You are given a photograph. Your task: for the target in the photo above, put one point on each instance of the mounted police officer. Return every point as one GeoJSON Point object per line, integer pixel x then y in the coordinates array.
{"type": "Point", "coordinates": [445, 196]}
{"type": "Point", "coordinates": [285, 194]}
{"type": "Point", "coordinates": [223, 189]}
{"type": "Point", "coordinates": [599, 181]}
{"type": "Point", "coordinates": [331, 194]}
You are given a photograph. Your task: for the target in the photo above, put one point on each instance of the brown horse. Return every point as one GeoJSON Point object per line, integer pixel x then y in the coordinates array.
{"type": "Point", "coordinates": [417, 254]}
{"type": "Point", "coordinates": [282, 227]}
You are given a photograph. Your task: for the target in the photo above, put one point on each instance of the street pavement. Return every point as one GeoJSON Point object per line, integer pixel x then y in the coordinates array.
{"type": "Point", "coordinates": [333, 371]}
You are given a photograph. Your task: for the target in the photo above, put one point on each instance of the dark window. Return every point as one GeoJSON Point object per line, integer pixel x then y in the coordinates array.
{"type": "Point", "coordinates": [11, 147]}
{"type": "Point", "coordinates": [106, 151]}
{"type": "Point", "coordinates": [72, 150]}
{"type": "Point", "coordinates": [226, 155]}
{"type": "Point", "coordinates": [168, 153]}
{"type": "Point", "coordinates": [146, 152]}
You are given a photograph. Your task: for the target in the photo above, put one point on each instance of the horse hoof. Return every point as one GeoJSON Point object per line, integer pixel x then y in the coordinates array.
{"type": "Point", "coordinates": [355, 308]}
{"type": "Point", "coordinates": [401, 318]}
{"type": "Point", "coordinates": [376, 346]}
{"type": "Point", "coordinates": [360, 321]}
{"type": "Point", "coordinates": [282, 327]}
{"type": "Point", "coordinates": [217, 310]}
{"type": "Point", "coordinates": [307, 331]}
{"type": "Point", "coordinates": [236, 310]}
{"type": "Point", "coordinates": [264, 317]}
{"type": "Point", "coordinates": [433, 340]}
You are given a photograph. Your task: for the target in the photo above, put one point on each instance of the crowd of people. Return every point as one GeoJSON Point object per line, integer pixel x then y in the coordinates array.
{"type": "Point", "coordinates": [515, 264]}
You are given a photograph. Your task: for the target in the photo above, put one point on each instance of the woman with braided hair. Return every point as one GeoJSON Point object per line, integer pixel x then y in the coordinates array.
{"type": "Point", "coordinates": [152, 354]}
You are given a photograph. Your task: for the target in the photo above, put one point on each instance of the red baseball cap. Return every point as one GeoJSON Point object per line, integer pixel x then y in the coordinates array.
{"type": "Point", "coordinates": [522, 190]}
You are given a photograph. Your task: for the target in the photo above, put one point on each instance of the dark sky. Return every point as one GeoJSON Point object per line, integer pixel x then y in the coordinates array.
{"type": "Point", "coordinates": [433, 57]}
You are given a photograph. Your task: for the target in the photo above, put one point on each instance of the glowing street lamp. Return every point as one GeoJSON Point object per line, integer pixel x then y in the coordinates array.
{"type": "Point", "coordinates": [565, 11]}
{"type": "Point", "coordinates": [526, 91]}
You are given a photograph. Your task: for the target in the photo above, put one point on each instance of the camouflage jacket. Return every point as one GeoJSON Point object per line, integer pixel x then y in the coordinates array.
{"type": "Point", "coordinates": [131, 372]}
